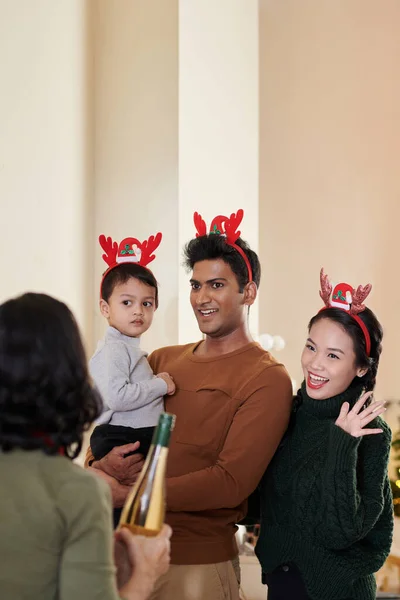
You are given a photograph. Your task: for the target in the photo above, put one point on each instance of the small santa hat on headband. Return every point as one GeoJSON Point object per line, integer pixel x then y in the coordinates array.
{"type": "Point", "coordinates": [347, 298]}
{"type": "Point", "coordinates": [130, 250]}
{"type": "Point", "coordinates": [226, 227]}
{"type": "Point", "coordinates": [342, 296]}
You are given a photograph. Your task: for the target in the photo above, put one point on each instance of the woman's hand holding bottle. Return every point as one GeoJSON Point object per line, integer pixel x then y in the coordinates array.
{"type": "Point", "coordinates": [140, 562]}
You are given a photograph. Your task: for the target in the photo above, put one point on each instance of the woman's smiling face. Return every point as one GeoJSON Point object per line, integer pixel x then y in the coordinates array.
{"type": "Point", "coordinates": [328, 360]}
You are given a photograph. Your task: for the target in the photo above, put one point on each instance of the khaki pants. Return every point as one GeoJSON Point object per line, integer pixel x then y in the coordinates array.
{"type": "Point", "coordinates": [198, 582]}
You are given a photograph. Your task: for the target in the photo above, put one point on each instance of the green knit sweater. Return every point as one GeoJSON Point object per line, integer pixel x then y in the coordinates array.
{"type": "Point", "coordinates": [326, 502]}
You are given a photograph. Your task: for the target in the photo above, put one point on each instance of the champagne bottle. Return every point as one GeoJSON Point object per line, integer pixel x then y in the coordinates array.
{"type": "Point", "coordinates": [144, 509]}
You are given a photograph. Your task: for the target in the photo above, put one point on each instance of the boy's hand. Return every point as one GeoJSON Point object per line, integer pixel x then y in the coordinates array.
{"type": "Point", "coordinates": [169, 380]}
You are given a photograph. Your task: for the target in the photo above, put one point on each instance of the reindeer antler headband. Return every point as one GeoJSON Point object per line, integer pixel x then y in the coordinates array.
{"type": "Point", "coordinates": [345, 297]}
{"type": "Point", "coordinates": [129, 250]}
{"type": "Point", "coordinates": [226, 226]}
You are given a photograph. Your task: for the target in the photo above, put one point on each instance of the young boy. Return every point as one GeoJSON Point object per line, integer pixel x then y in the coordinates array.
{"type": "Point", "coordinates": [132, 394]}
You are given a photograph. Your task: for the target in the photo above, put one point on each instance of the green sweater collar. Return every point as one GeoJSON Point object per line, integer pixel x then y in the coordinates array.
{"type": "Point", "coordinates": [329, 408]}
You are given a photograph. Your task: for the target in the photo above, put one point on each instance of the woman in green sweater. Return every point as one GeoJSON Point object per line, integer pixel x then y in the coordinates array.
{"type": "Point", "coordinates": [56, 540]}
{"type": "Point", "coordinates": [326, 504]}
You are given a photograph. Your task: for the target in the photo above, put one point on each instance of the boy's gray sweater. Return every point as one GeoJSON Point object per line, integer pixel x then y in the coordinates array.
{"type": "Point", "coordinates": [132, 394]}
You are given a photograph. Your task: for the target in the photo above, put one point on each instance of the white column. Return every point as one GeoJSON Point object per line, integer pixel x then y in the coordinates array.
{"type": "Point", "coordinates": [45, 150]}
{"type": "Point", "coordinates": [218, 125]}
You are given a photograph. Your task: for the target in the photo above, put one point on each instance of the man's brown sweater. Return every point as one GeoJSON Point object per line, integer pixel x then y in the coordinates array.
{"type": "Point", "coordinates": [231, 413]}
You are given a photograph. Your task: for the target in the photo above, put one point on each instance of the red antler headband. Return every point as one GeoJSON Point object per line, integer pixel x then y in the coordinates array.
{"type": "Point", "coordinates": [130, 250]}
{"type": "Point", "coordinates": [226, 226]}
{"type": "Point", "coordinates": [345, 297]}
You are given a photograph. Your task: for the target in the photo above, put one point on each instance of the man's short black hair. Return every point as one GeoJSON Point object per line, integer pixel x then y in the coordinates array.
{"type": "Point", "coordinates": [213, 246]}
{"type": "Point", "coordinates": [122, 273]}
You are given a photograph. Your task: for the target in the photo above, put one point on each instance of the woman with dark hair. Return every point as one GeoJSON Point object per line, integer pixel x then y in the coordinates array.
{"type": "Point", "coordinates": [55, 518]}
{"type": "Point", "coordinates": [326, 505]}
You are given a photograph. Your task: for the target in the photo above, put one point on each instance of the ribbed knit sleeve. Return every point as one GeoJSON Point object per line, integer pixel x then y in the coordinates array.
{"type": "Point", "coordinates": [353, 486]}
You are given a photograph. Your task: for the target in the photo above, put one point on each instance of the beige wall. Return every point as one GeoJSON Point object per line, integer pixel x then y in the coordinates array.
{"type": "Point", "coordinates": [136, 143]}
{"type": "Point", "coordinates": [329, 163]}
{"type": "Point", "coordinates": [45, 150]}
{"type": "Point", "coordinates": [89, 114]}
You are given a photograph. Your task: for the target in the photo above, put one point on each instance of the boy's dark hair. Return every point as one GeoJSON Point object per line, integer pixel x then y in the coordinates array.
{"type": "Point", "coordinates": [122, 273]}
{"type": "Point", "coordinates": [213, 246]}
{"type": "Point", "coordinates": [47, 399]}
{"type": "Point", "coordinates": [353, 329]}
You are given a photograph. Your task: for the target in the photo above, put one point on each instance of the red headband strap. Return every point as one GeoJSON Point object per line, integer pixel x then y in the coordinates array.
{"type": "Point", "coordinates": [365, 332]}
{"type": "Point", "coordinates": [228, 227]}
{"type": "Point", "coordinates": [346, 298]}
{"type": "Point", "coordinates": [243, 255]}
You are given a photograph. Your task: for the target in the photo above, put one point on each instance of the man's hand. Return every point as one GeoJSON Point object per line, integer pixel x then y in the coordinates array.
{"type": "Point", "coordinates": [119, 466]}
{"type": "Point", "coordinates": [119, 492]}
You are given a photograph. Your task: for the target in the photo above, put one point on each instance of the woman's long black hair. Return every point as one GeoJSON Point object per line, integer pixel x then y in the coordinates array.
{"type": "Point", "coordinates": [47, 399]}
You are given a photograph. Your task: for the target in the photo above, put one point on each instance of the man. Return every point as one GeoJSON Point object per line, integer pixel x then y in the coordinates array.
{"type": "Point", "coordinates": [232, 407]}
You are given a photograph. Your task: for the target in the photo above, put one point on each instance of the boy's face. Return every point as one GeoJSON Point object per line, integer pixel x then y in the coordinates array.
{"type": "Point", "coordinates": [130, 308]}
{"type": "Point", "coordinates": [216, 300]}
